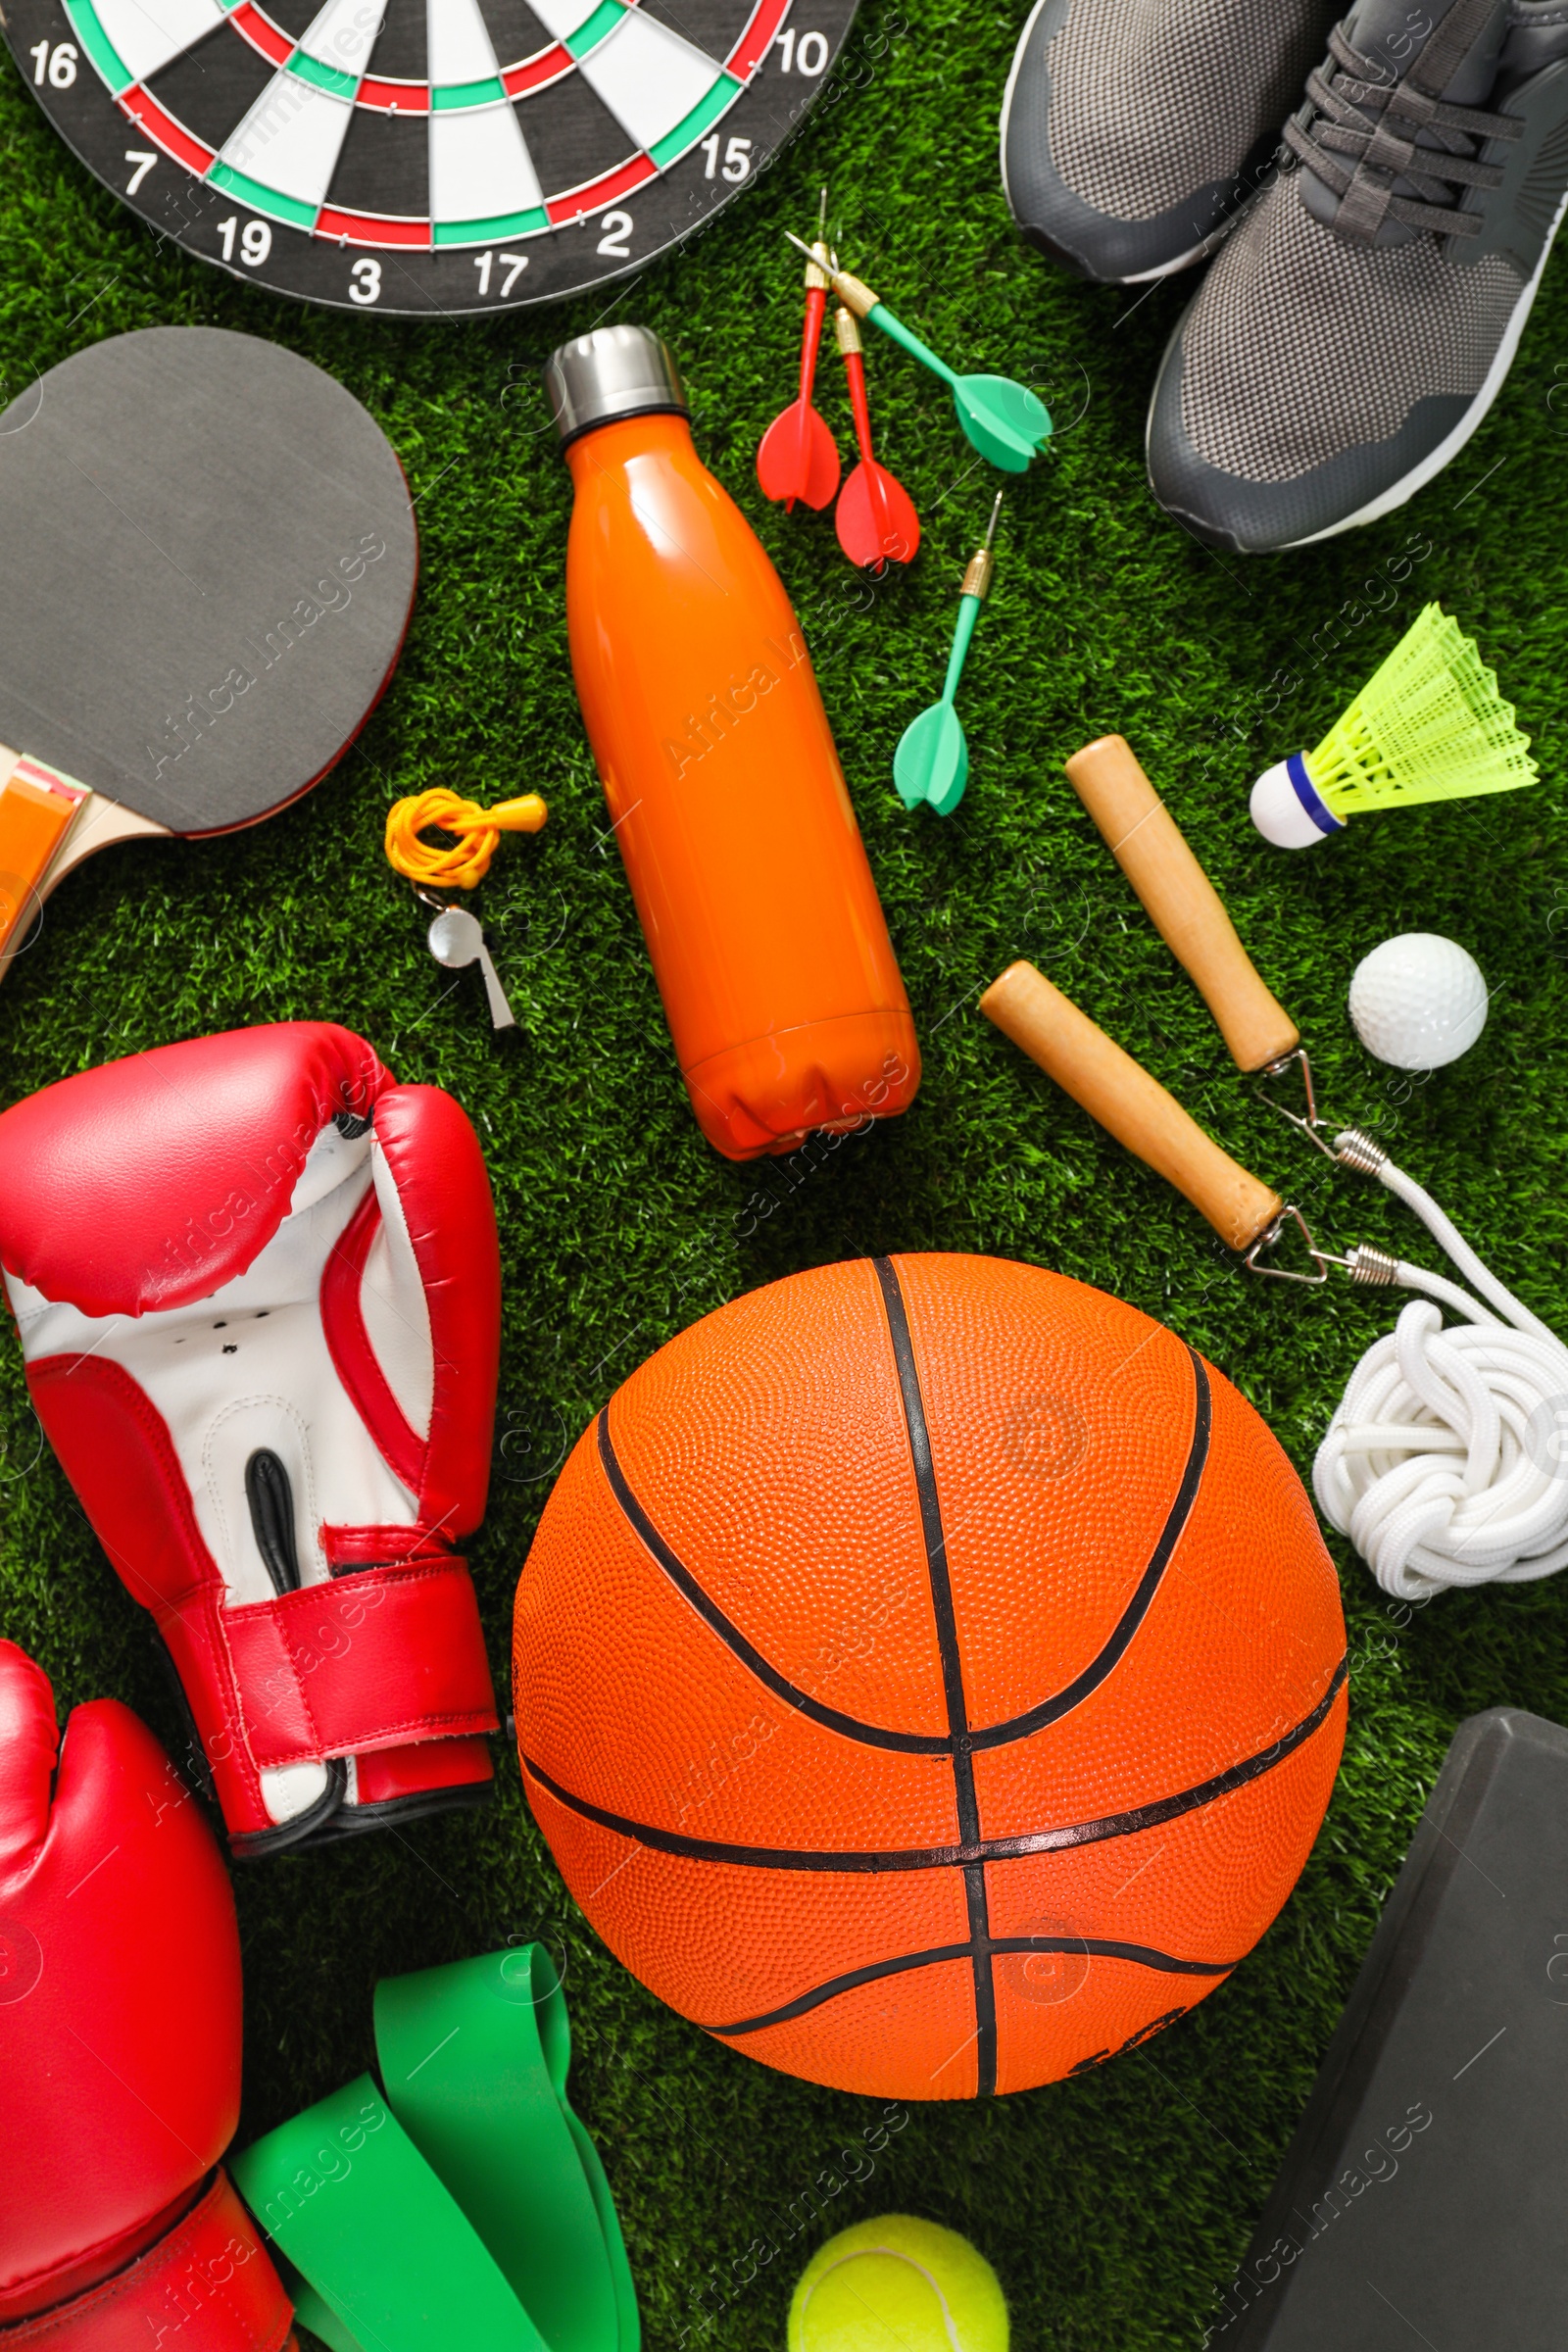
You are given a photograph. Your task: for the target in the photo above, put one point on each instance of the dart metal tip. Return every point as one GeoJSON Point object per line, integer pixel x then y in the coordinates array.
{"type": "Point", "coordinates": [983, 562]}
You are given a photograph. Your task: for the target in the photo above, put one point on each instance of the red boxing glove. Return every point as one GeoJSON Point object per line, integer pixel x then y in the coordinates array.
{"type": "Point", "coordinates": [259, 1292]}
{"type": "Point", "coordinates": [119, 2048]}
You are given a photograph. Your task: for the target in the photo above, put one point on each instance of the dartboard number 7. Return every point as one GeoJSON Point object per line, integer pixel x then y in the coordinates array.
{"type": "Point", "coordinates": [413, 157]}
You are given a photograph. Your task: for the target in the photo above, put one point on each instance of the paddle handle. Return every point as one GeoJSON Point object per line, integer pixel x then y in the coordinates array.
{"type": "Point", "coordinates": [1135, 1107]}
{"type": "Point", "coordinates": [48, 824]}
{"type": "Point", "coordinates": [1151, 850]}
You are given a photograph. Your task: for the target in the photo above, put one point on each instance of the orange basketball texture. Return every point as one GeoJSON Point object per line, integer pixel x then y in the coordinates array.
{"type": "Point", "coordinates": [929, 1676]}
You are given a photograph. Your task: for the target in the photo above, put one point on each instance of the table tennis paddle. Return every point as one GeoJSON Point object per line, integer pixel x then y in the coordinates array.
{"type": "Point", "coordinates": [210, 560]}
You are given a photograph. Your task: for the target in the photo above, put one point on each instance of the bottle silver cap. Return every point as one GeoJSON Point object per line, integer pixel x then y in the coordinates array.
{"type": "Point", "coordinates": [613, 371]}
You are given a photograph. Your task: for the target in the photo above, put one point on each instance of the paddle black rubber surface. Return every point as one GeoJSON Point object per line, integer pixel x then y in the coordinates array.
{"type": "Point", "coordinates": [1424, 2200]}
{"type": "Point", "coordinates": [211, 563]}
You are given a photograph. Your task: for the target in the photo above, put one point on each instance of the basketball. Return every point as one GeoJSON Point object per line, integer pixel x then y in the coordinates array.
{"type": "Point", "coordinates": [929, 1676]}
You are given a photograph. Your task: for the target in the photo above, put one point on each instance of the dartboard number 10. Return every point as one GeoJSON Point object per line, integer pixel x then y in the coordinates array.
{"type": "Point", "coordinates": [806, 53]}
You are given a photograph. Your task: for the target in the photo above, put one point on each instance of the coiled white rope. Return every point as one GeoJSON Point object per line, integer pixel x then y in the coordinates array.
{"type": "Point", "coordinates": [1447, 1462]}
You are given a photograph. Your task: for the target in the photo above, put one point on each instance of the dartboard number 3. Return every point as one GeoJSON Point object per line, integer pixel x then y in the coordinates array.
{"type": "Point", "coordinates": [57, 65]}
{"type": "Point", "coordinates": [513, 265]}
{"type": "Point", "coordinates": [737, 157]}
{"type": "Point", "coordinates": [255, 240]}
{"type": "Point", "coordinates": [364, 281]}
{"type": "Point", "coordinates": [618, 229]}
{"type": "Point", "coordinates": [806, 54]}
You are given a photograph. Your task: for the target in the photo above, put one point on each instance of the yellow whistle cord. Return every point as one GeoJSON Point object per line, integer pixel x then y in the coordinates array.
{"type": "Point", "coordinates": [478, 834]}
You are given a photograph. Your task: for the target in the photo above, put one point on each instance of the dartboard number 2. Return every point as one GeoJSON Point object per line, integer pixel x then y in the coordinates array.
{"type": "Point", "coordinates": [806, 55]}
{"type": "Point", "coordinates": [255, 240]}
{"type": "Point", "coordinates": [618, 229]}
{"type": "Point", "coordinates": [514, 264]}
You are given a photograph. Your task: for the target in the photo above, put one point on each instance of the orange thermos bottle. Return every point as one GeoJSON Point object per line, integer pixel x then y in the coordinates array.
{"type": "Point", "coordinates": [768, 940]}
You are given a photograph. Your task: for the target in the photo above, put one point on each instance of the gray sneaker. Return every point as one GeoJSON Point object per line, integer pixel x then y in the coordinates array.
{"type": "Point", "coordinates": [1132, 130]}
{"type": "Point", "coordinates": [1355, 331]}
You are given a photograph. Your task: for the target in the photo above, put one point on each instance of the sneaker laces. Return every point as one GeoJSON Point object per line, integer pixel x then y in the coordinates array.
{"type": "Point", "coordinates": [1353, 110]}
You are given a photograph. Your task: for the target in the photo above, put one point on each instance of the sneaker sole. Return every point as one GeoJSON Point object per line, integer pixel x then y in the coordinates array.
{"type": "Point", "coordinates": [1141, 277]}
{"type": "Point", "coordinates": [1399, 492]}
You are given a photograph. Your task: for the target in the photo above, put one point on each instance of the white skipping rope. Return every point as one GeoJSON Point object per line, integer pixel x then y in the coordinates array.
{"type": "Point", "coordinates": [1447, 1462]}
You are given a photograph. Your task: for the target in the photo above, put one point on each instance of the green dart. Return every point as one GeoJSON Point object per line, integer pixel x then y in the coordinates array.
{"type": "Point", "coordinates": [1006, 423]}
{"type": "Point", "coordinates": [932, 760]}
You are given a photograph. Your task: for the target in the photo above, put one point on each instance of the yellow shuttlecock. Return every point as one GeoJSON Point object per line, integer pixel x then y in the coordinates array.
{"type": "Point", "coordinates": [478, 834]}
{"type": "Point", "coordinates": [1429, 725]}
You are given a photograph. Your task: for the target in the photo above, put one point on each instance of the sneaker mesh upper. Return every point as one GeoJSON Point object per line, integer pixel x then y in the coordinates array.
{"type": "Point", "coordinates": [1153, 100]}
{"type": "Point", "coordinates": [1357, 334]}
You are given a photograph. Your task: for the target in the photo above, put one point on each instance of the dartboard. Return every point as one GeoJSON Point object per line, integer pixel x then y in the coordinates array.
{"type": "Point", "coordinates": [427, 154]}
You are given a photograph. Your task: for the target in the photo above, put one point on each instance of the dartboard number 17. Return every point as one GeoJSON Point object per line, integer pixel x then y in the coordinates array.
{"type": "Point", "coordinates": [427, 154]}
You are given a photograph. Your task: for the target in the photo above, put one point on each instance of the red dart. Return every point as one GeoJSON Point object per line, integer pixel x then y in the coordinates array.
{"type": "Point", "coordinates": [877, 523]}
{"type": "Point", "coordinates": [798, 457]}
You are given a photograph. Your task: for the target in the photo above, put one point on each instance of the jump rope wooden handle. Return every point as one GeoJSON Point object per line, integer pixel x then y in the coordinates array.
{"type": "Point", "coordinates": [1137, 1110]}
{"type": "Point", "coordinates": [1149, 846]}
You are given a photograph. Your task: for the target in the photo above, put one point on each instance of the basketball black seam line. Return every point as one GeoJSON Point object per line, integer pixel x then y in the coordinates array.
{"type": "Point", "coordinates": [1120, 1640]}
{"type": "Point", "coordinates": [923, 1743]}
{"type": "Point", "coordinates": [920, 1744]}
{"type": "Point", "coordinates": [965, 1796]}
{"type": "Point", "coordinates": [949, 1857]}
{"type": "Point", "coordinates": [930, 1503]}
{"type": "Point", "coordinates": [978, 1908]}
{"type": "Point", "coordinates": [1140, 1955]}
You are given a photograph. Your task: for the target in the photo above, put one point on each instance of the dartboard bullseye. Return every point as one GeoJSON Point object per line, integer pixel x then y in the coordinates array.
{"type": "Point", "coordinates": [427, 154]}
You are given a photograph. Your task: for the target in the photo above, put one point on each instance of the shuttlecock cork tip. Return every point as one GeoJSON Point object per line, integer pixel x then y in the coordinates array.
{"type": "Point", "coordinates": [1288, 808]}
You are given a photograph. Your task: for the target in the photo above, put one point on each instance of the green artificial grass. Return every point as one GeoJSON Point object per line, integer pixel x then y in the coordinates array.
{"type": "Point", "coordinates": [1114, 2208]}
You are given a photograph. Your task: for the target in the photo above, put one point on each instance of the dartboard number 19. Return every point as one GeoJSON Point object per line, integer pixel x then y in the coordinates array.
{"type": "Point", "coordinates": [427, 154]}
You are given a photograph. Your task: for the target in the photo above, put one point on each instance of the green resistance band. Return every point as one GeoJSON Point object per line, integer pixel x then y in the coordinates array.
{"type": "Point", "coordinates": [466, 2210]}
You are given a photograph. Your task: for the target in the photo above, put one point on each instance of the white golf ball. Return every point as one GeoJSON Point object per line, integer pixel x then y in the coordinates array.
{"type": "Point", "coordinates": [1418, 1000]}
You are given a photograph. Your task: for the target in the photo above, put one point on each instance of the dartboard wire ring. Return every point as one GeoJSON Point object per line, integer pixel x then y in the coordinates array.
{"type": "Point", "coordinates": [539, 133]}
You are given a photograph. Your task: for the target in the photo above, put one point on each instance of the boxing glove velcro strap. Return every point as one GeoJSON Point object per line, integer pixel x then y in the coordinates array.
{"type": "Point", "coordinates": [379, 1658]}
{"type": "Point", "coordinates": [210, 2283]}
{"type": "Point", "coordinates": [378, 1546]}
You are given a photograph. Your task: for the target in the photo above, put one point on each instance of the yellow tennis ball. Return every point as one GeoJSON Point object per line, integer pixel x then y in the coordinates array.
{"type": "Point", "coordinates": [898, 2284]}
